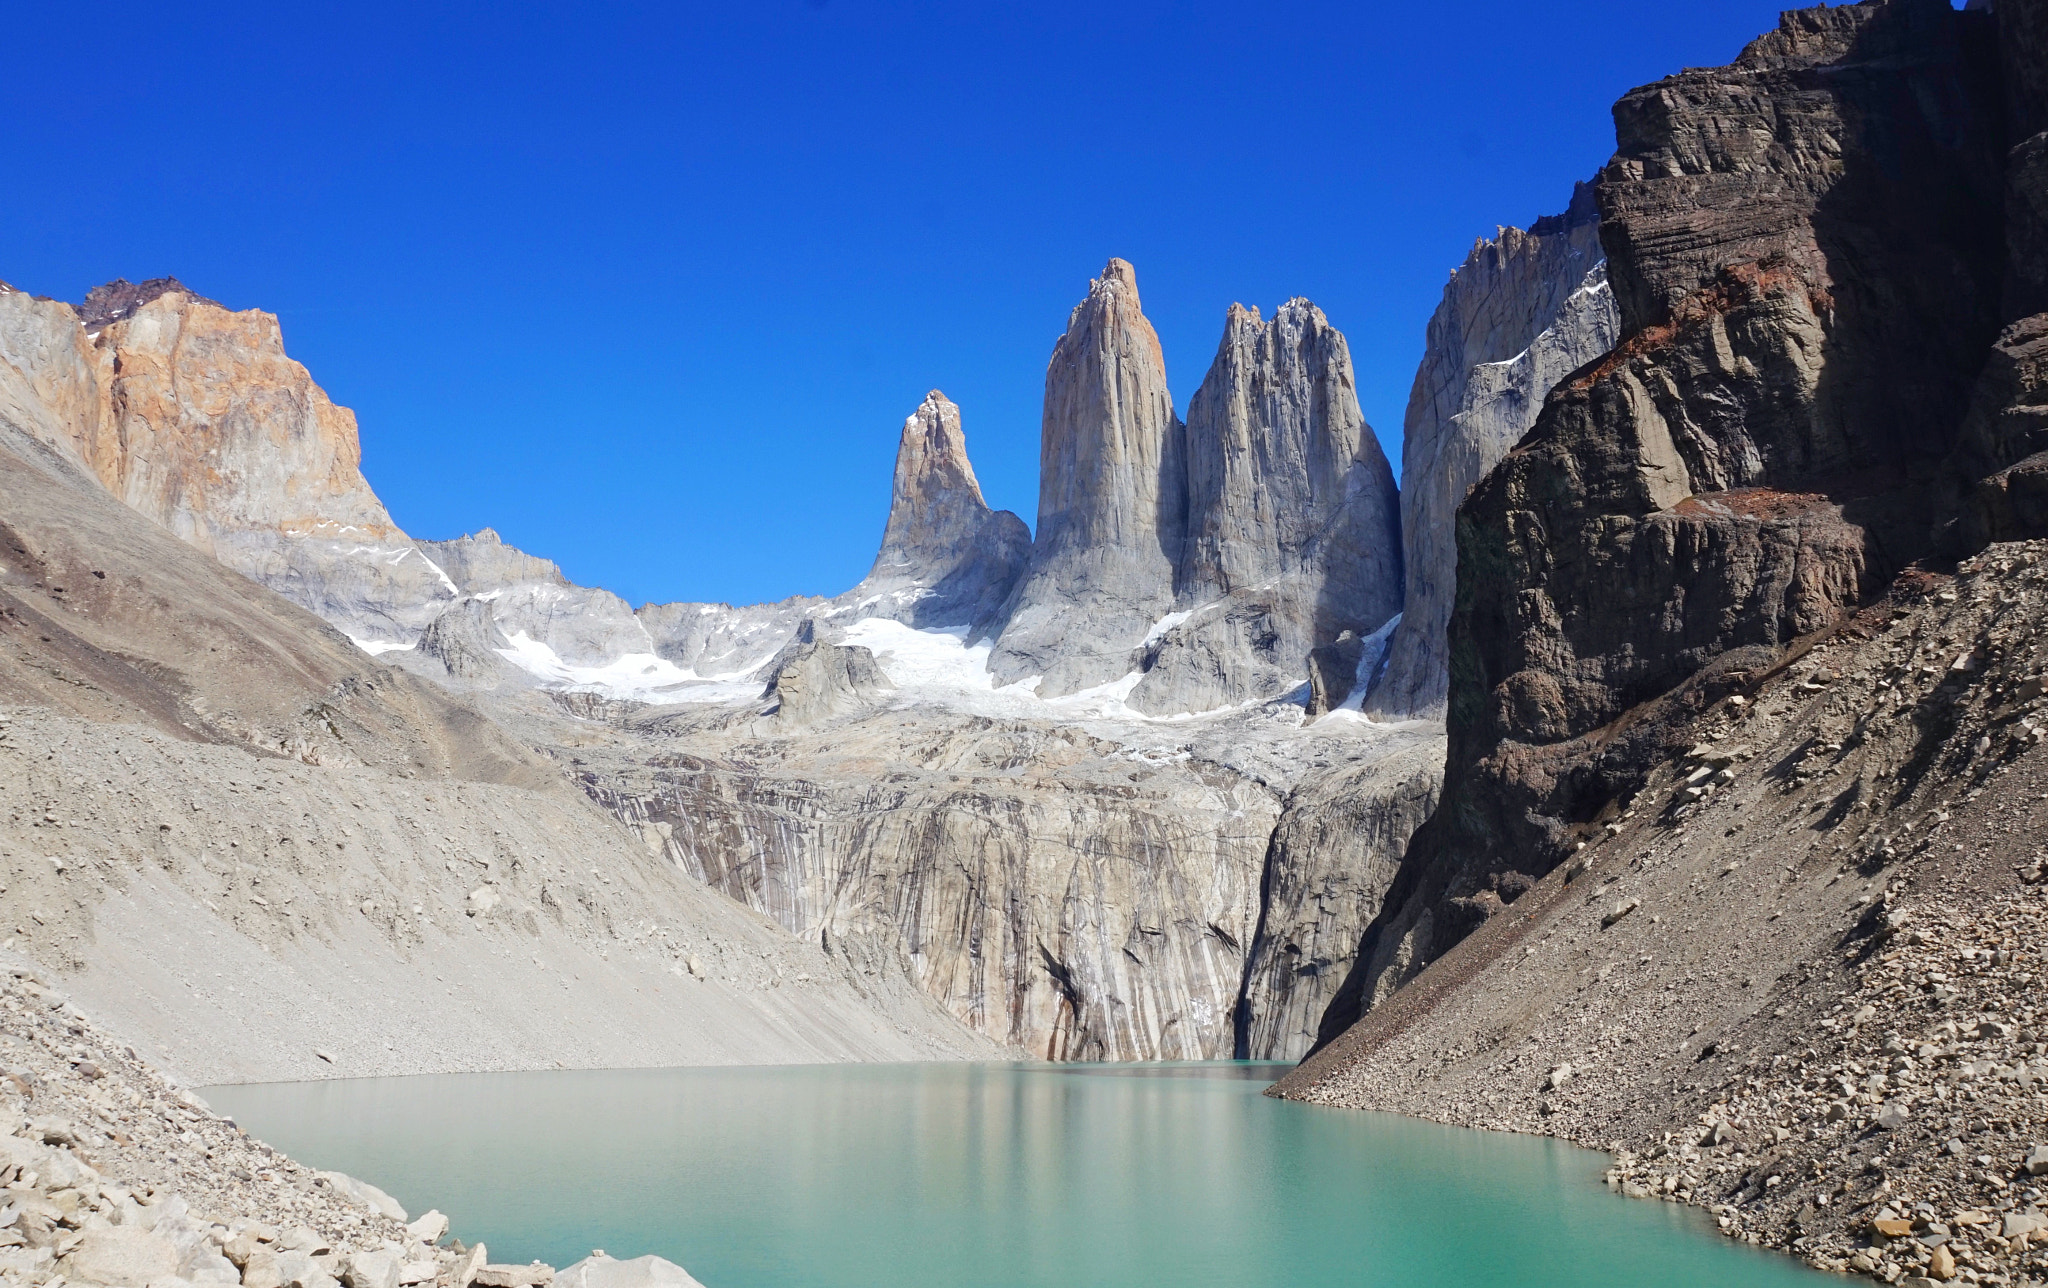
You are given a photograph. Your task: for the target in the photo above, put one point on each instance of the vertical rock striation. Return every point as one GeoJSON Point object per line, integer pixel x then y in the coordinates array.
{"type": "Point", "coordinates": [946, 558]}
{"type": "Point", "coordinates": [1293, 536]}
{"type": "Point", "coordinates": [1525, 310]}
{"type": "Point", "coordinates": [1112, 498]}
{"type": "Point", "coordinates": [1806, 250]}
{"type": "Point", "coordinates": [1332, 856]}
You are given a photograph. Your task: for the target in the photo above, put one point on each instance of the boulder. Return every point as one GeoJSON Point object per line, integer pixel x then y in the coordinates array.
{"type": "Point", "coordinates": [429, 1228]}
{"type": "Point", "coordinates": [374, 1268]}
{"type": "Point", "coordinates": [364, 1193]}
{"type": "Point", "coordinates": [535, 1275]}
{"type": "Point", "coordinates": [121, 1255]}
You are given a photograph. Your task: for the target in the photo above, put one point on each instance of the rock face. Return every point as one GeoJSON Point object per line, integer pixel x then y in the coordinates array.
{"type": "Point", "coordinates": [194, 416]}
{"type": "Point", "coordinates": [1112, 501]}
{"type": "Point", "coordinates": [1330, 859]}
{"type": "Point", "coordinates": [1525, 310]}
{"type": "Point", "coordinates": [1808, 267]}
{"type": "Point", "coordinates": [1293, 536]}
{"type": "Point", "coordinates": [946, 558]}
{"type": "Point", "coordinates": [1078, 889]}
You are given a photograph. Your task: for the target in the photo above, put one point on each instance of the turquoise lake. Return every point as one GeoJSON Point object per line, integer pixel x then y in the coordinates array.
{"type": "Point", "coordinates": [1003, 1176]}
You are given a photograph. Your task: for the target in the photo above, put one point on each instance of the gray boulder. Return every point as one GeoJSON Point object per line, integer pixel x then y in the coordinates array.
{"type": "Point", "coordinates": [121, 1255]}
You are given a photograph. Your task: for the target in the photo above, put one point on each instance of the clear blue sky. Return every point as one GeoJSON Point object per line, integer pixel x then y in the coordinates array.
{"type": "Point", "coordinates": [651, 288]}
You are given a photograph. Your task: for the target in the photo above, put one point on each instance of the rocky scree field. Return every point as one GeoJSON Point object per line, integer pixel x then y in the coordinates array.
{"type": "Point", "coordinates": [1796, 978]}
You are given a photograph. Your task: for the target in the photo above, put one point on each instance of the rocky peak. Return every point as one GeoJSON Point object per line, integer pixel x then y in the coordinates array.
{"type": "Point", "coordinates": [1284, 475]}
{"type": "Point", "coordinates": [1111, 500]}
{"type": "Point", "coordinates": [946, 558]}
{"type": "Point", "coordinates": [1292, 517]}
{"type": "Point", "coordinates": [120, 298]}
{"type": "Point", "coordinates": [1523, 311]}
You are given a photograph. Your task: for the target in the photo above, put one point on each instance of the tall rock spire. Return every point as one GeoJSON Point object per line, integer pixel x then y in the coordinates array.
{"type": "Point", "coordinates": [1293, 534]}
{"type": "Point", "coordinates": [946, 558]}
{"type": "Point", "coordinates": [1111, 500]}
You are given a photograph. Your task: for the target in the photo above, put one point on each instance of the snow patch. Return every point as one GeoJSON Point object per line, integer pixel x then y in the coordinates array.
{"type": "Point", "coordinates": [1369, 659]}
{"type": "Point", "coordinates": [377, 648]}
{"type": "Point", "coordinates": [1165, 624]}
{"type": "Point", "coordinates": [633, 677]}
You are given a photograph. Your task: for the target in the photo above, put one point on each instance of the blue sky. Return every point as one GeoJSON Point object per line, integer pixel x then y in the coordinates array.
{"type": "Point", "coordinates": [651, 288]}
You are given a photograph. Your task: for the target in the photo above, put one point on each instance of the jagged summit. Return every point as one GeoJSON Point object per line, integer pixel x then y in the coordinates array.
{"type": "Point", "coordinates": [946, 558]}
{"type": "Point", "coordinates": [120, 298]}
{"type": "Point", "coordinates": [1293, 528]}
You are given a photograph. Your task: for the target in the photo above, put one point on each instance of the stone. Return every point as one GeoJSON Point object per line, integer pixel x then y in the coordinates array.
{"type": "Point", "coordinates": [1942, 1264]}
{"type": "Point", "coordinates": [372, 1268]}
{"type": "Point", "coordinates": [262, 1268]}
{"type": "Point", "coordinates": [364, 1193]}
{"type": "Point", "coordinates": [1557, 1077]}
{"type": "Point", "coordinates": [2036, 1162]}
{"type": "Point", "coordinates": [417, 1272]}
{"type": "Point", "coordinates": [429, 1228]}
{"type": "Point", "coordinates": [122, 1256]}
{"type": "Point", "coordinates": [1892, 1228]}
{"type": "Point", "coordinates": [1894, 1115]}
{"type": "Point", "coordinates": [2015, 1224]}
{"type": "Point", "coordinates": [599, 1271]}
{"type": "Point", "coordinates": [481, 902]}
{"type": "Point", "coordinates": [530, 1276]}
{"type": "Point", "coordinates": [1620, 910]}
{"type": "Point", "coordinates": [1112, 501]}
{"type": "Point", "coordinates": [471, 1264]}
{"type": "Point", "coordinates": [296, 1268]}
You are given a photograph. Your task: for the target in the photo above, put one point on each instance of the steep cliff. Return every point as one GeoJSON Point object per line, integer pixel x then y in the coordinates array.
{"type": "Point", "coordinates": [1805, 250]}
{"type": "Point", "coordinates": [1112, 501]}
{"type": "Point", "coordinates": [1525, 310]}
{"type": "Point", "coordinates": [194, 416]}
{"type": "Point", "coordinates": [1293, 536]}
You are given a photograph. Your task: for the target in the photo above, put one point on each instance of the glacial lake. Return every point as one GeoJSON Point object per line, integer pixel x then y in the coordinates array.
{"type": "Point", "coordinates": [989, 1176]}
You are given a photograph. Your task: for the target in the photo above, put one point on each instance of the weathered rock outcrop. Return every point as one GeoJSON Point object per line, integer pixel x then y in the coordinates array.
{"type": "Point", "coordinates": [947, 560]}
{"type": "Point", "coordinates": [817, 681]}
{"type": "Point", "coordinates": [194, 416]}
{"type": "Point", "coordinates": [1805, 249]}
{"type": "Point", "coordinates": [1292, 531]}
{"type": "Point", "coordinates": [1525, 310]}
{"type": "Point", "coordinates": [1112, 501]}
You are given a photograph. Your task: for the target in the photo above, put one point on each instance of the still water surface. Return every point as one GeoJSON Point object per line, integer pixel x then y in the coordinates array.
{"type": "Point", "coordinates": [989, 1176]}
